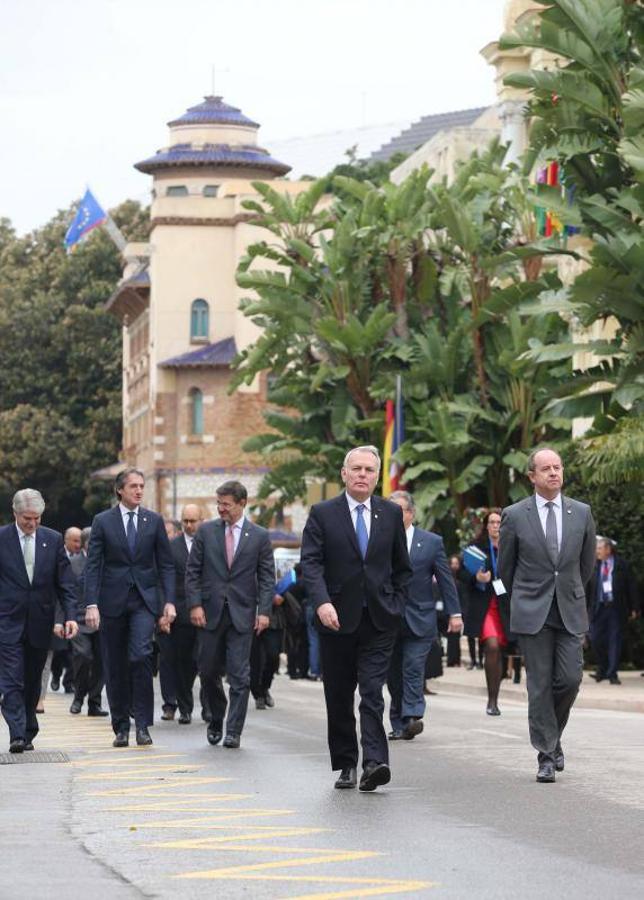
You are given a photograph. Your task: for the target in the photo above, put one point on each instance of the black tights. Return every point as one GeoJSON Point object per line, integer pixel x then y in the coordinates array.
{"type": "Point", "coordinates": [471, 643]}
{"type": "Point", "coordinates": [493, 666]}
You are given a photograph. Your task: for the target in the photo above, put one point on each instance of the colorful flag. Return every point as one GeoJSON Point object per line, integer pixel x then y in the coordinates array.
{"type": "Point", "coordinates": [394, 436]}
{"type": "Point", "coordinates": [88, 216]}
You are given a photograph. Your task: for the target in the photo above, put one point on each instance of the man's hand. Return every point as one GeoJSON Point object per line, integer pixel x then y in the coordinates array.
{"type": "Point", "coordinates": [328, 616]}
{"type": "Point", "coordinates": [170, 612]}
{"type": "Point", "coordinates": [483, 576]}
{"type": "Point", "coordinates": [278, 600]}
{"type": "Point", "coordinates": [92, 618]}
{"type": "Point", "coordinates": [261, 624]}
{"type": "Point", "coordinates": [71, 629]}
{"type": "Point", "coordinates": [59, 630]}
{"type": "Point", "coordinates": [164, 624]}
{"type": "Point", "coordinates": [455, 624]}
{"type": "Point", "coordinates": [198, 616]}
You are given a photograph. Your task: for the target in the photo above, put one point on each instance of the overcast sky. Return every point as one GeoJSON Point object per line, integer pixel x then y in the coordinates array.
{"type": "Point", "coordinates": [86, 86]}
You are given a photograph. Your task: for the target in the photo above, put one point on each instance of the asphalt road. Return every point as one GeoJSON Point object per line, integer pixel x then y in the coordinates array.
{"type": "Point", "coordinates": [462, 817]}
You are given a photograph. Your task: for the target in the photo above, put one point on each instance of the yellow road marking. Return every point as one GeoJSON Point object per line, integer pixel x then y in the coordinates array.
{"type": "Point", "coordinates": [125, 762]}
{"type": "Point", "coordinates": [401, 887]}
{"type": "Point", "coordinates": [222, 815]}
{"type": "Point", "coordinates": [137, 774]}
{"type": "Point", "coordinates": [167, 784]}
{"type": "Point", "coordinates": [332, 857]}
{"type": "Point", "coordinates": [177, 805]}
{"type": "Point", "coordinates": [259, 832]}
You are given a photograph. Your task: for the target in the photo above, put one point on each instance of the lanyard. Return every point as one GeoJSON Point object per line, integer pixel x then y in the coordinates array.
{"type": "Point", "coordinates": [493, 555]}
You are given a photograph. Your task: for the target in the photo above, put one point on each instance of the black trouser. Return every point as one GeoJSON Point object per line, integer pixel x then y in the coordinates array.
{"type": "Point", "coordinates": [264, 657]}
{"type": "Point", "coordinates": [453, 649]}
{"type": "Point", "coordinates": [21, 667]}
{"type": "Point", "coordinates": [178, 666]}
{"type": "Point", "coordinates": [361, 660]}
{"type": "Point", "coordinates": [88, 668]}
{"type": "Point", "coordinates": [62, 667]}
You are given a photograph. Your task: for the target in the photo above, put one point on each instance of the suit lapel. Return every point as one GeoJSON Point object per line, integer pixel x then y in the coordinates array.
{"type": "Point", "coordinates": [41, 548]}
{"type": "Point", "coordinates": [567, 523]}
{"type": "Point", "coordinates": [244, 540]}
{"type": "Point", "coordinates": [117, 525]}
{"type": "Point", "coordinates": [143, 523]}
{"type": "Point", "coordinates": [416, 544]}
{"type": "Point", "coordinates": [17, 549]}
{"type": "Point", "coordinates": [535, 522]}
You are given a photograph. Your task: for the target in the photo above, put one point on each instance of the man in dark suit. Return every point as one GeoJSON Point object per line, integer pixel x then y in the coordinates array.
{"type": "Point", "coordinates": [86, 648]}
{"type": "Point", "coordinates": [546, 557]}
{"type": "Point", "coordinates": [611, 600]}
{"type": "Point", "coordinates": [356, 573]}
{"type": "Point", "coordinates": [129, 585]}
{"type": "Point", "coordinates": [230, 577]}
{"type": "Point", "coordinates": [419, 629]}
{"type": "Point", "coordinates": [178, 666]}
{"type": "Point", "coordinates": [35, 578]}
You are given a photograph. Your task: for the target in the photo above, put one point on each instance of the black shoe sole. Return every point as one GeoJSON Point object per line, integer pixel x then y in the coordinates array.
{"type": "Point", "coordinates": [343, 786]}
{"type": "Point", "coordinates": [412, 729]}
{"type": "Point", "coordinates": [379, 776]}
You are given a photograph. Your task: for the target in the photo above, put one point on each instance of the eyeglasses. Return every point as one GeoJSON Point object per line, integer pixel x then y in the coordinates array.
{"type": "Point", "coordinates": [189, 521]}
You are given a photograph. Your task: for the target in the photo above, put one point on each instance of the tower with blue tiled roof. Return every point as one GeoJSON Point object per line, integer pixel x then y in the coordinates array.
{"type": "Point", "coordinates": [179, 305]}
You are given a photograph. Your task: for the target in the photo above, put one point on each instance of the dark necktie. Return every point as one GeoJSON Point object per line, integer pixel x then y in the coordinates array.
{"type": "Point", "coordinates": [131, 532]}
{"type": "Point", "coordinates": [552, 542]}
{"type": "Point", "coordinates": [361, 530]}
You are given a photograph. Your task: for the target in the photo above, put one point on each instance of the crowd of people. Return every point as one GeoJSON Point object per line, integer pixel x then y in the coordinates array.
{"type": "Point", "coordinates": [111, 605]}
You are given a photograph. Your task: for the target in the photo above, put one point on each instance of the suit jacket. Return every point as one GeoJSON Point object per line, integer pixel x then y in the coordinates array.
{"type": "Point", "coordinates": [30, 609]}
{"type": "Point", "coordinates": [428, 560]}
{"type": "Point", "coordinates": [247, 587]}
{"type": "Point", "coordinates": [180, 557]}
{"type": "Point", "coordinates": [112, 570]}
{"type": "Point", "coordinates": [78, 563]}
{"type": "Point", "coordinates": [624, 589]}
{"type": "Point", "coordinates": [335, 571]}
{"type": "Point", "coordinates": [529, 575]}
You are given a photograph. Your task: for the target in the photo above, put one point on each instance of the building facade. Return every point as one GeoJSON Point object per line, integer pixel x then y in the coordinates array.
{"type": "Point", "coordinates": [178, 304]}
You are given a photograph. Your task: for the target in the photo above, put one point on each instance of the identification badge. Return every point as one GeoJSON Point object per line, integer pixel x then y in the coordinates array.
{"type": "Point", "coordinates": [440, 605]}
{"type": "Point", "coordinates": [498, 587]}
{"type": "Point", "coordinates": [607, 587]}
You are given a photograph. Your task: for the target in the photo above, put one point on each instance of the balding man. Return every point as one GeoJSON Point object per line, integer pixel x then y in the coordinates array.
{"type": "Point", "coordinates": [72, 538]}
{"type": "Point", "coordinates": [546, 558]}
{"type": "Point", "coordinates": [35, 577]}
{"type": "Point", "coordinates": [356, 572]}
{"type": "Point", "coordinates": [178, 667]}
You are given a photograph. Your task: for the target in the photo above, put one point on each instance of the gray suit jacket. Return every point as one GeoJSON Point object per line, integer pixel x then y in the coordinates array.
{"type": "Point", "coordinates": [247, 588]}
{"type": "Point", "coordinates": [529, 575]}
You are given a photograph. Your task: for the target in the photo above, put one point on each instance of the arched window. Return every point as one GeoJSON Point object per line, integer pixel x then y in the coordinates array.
{"type": "Point", "coordinates": [199, 320]}
{"type": "Point", "coordinates": [196, 411]}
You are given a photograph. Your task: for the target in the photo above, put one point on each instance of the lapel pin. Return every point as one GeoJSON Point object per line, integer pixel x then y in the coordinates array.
{"type": "Point", "coordinates": [375, 515]}
{"type": "Point", "coordinates": [245, 534]}
{"type": "Point", "coordinates": [144, 519]}
{"type": "Point", "coordinates": [569, 511]}
{"type": "Point", "coordinates": [44, 545]}
{"type": "Point", "coordinates": [418, 544]}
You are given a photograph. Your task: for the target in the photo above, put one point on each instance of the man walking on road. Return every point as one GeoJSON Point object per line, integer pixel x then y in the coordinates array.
{"type": "Point", "coordinates": [546, 557]}
{"type": "Point", "coordinates": [35, 577]}
{"type": "Point", "coordinates": [129, 585]}
{"type": "Point", "coordinates": [356, 572]}
{"type": "Point", "coordinates": [419, 630]}
{"type": "Point", "coordinates": [230, 580]}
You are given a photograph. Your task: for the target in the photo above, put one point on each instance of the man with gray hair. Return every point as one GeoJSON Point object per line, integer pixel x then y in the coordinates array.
{"type": "Point", "coordinates": [356, 572]}
{"type": "Point", "coordinates": [546, 558]}
{"type": "Point", "coordinates": [35, 577]}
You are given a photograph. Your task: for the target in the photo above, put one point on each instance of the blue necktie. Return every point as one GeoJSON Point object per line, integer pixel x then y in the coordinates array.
{"type": "Point", "coordinates": [361, 530]}
{"type": "Point", "coordinates": [131, 533]}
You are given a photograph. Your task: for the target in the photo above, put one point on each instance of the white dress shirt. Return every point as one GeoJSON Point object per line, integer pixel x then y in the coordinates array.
{"type": "Point", "coordinates": [542, 509]}
{"type": "Point", "coordinates": [366, 512]}
{"type": "Point", "coordinates": [188, 539]}
{"type": "Point", "coordinates": [409, 534]}
{"type": "Point", "coordinates": [125, 516]}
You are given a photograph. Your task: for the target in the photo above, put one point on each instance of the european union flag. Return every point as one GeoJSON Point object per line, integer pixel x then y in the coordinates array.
{"type": "Point", "coordinates": [89, 216]}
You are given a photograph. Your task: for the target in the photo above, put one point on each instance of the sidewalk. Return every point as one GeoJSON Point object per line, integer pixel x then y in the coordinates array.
{"type": "Point", "coordinates": [627, 697]}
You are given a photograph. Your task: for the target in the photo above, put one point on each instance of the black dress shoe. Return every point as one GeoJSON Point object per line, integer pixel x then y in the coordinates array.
{"type": "Point", "coordinates": [122, 739]}
{"type": "Point", "coordinates": [97, 711]}
{"type": "Point", "coordinates": [29, 745]}
{"type": "Point", "coordinates": [374, 774]}
{"type": "Point", "coordinates": [395, 735]}
{"type": "Point", "coordinates": [168, 714]}
{"type": "Point", "coordinates": [348, 778]}
{"type": "Point", "coordinates": [559, 760]}
{"type": "Point", "coordinates": [411, 729]}
{"type": "Point", "coordinates": [546, 772]}
{"type": "Point", "coordinates": [493, 710]}
{"type": "Point", "coordinates": [614, 679]}
{"type": "Point", "coordinates": [260, 703]}
{"type": "Point", "coordinates": [185, 719]}
{"type": "Point", "coordinates": [214, 732]}
{"type": "Point", "coordinates": [55, 684]}
{"type": "Point", "coordinates": [17, 745]}
{"type": "Point", "coordinates": [232, 741]}
{"type": "Point", "coordinates": [76, 707]}
{"type": "Point", "coordinates": [143, 738]}
{"type": "Point", "coordinates": [268, 700]}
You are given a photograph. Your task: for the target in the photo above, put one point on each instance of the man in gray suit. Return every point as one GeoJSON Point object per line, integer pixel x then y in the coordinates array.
{"type": "Point", "coordinates": [230, 580]}
{"type": "Point", "coordinates": [546, 557]}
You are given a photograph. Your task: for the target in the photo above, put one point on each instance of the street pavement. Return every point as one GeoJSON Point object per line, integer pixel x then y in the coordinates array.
{"type": "Point", "coordinates": [462, 817]}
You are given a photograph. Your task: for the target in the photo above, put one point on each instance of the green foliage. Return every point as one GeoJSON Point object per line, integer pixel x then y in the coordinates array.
{"type": "Point", "coordinates": [60, 363]}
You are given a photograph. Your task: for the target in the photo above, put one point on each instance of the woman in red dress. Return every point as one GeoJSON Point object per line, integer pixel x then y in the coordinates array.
{"type": "Point", "coordinates": [491, 610]}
